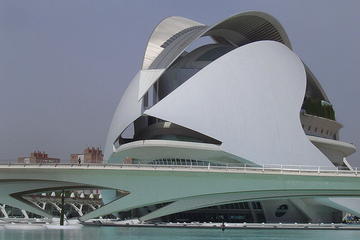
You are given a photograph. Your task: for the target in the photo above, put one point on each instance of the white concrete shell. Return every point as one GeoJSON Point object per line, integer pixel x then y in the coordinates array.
{"type": "Point", "coordinates": [246, 107]}
{"type": "Point", "coordinates": [173, 35]}
{"type": "Point", "coordinates": [178, 33]}
{"type": "Point", "coordinates": [166, 30]}
{"type": "Point", "coordinates": [127, 111]}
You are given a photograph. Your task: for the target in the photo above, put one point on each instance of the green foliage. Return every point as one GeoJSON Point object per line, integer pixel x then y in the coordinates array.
{"type": "Point", "coordinates": [318, 108]}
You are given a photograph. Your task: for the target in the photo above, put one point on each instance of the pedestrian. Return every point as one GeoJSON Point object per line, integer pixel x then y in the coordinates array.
{"type": "Point", "coordinates": [223, 226]}
{"type": "Point", "coordinates": [79, 161]}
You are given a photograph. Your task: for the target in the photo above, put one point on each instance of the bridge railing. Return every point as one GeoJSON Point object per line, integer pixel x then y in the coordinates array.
{"type": "Point", "coordinates": [266, 168]}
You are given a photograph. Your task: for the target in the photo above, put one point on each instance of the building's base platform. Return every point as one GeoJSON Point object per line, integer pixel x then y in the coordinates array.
{"type": "Point", "coordinates": [301, 226]}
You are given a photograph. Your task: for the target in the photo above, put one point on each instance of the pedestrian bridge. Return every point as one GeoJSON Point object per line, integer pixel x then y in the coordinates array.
{"type": "Point", "coordinates": [184, 187]}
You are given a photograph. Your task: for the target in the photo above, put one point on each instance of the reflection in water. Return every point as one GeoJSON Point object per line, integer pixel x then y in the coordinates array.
{"type": "Point", "coordinates": [119, 233]}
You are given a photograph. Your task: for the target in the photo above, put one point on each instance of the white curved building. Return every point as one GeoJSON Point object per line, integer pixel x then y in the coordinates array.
{"type": "Point", "coordinates": [232, 93]}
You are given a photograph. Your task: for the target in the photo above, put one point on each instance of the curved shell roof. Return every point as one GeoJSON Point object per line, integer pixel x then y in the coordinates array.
{"type": "Point", "coordinates": [173, 34]}
{"type": "Point", "coordinates": [168, 29]}
{"type": "Point", "coordinates": [249, 27]}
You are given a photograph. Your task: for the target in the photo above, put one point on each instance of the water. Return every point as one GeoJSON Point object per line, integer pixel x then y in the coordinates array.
{"type": "Point", "coordinates": [119, 233]}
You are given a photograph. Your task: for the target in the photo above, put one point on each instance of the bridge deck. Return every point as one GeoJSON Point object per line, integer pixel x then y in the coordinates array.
{"type": "Point", "coordinates": [186, 186]}
{"type": "Point", "coordinates": [272, 169]}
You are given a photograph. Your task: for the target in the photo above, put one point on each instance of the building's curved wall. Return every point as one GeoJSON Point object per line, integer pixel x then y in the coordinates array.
{"type": "Point", "coordinates": [128, 110]}
{"type": "Point", "coordinates": [246, 107]}
{"type": "Point", "coordinates": [230, 33]}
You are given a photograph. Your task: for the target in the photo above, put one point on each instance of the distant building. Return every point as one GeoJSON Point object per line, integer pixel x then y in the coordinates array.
{"type": "Point", "coordinates": [38, 157]}
{"type": "Point", "coordinates": [89, 155]}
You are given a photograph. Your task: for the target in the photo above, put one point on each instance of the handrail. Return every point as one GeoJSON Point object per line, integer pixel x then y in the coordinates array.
{"type": "Point", "coordinates": [266, 168]}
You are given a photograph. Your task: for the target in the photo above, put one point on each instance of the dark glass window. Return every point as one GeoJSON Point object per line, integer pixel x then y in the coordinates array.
{"type": "Point", "coordinates": [281, 210]}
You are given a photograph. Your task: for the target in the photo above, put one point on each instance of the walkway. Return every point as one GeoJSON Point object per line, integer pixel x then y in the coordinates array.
{"type": "Point", "coordinates": [183, 187]}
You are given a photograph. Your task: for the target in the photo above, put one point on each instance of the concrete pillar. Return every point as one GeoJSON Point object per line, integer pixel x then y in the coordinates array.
{"type": "Point", "coordinates": [25, 214]}
{"type": "Point", "coordinates": [2, 208]}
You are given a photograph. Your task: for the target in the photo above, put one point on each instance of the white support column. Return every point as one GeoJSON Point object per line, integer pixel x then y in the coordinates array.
{"type": "Point", "coordinates": [56, 206]}
{"type": "Point", "coordinates": [2, 208]}
{"type": "Point", "coordinates": [25, 214]}
{"type": "Point", "coordinates": [78, 210]}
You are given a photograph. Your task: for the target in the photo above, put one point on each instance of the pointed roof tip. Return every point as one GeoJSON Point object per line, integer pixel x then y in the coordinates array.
{"type": "Point", "coordinates": [163, 31]}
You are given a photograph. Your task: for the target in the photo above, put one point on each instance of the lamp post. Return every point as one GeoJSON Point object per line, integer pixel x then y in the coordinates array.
{"type": "Point", "coordinates": [62, 213]}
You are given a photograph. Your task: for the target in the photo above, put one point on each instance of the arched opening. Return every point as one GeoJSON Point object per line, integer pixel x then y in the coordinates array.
{"type": "Point", "coordinates": [148, 128]}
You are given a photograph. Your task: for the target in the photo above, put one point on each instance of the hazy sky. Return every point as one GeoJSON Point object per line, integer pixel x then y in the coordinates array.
{"type": "Point", "coordinates": [65, 64]}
